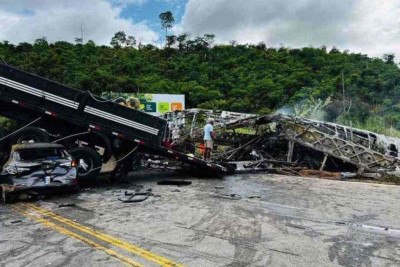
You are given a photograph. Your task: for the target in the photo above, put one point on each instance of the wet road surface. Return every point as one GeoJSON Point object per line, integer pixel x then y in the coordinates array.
{"type": "Point", "coordinates": [242, 220]}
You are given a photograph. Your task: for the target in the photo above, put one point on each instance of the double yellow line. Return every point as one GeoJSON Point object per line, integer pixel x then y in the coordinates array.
{"type": "Point", "coordinates": [42, 214]}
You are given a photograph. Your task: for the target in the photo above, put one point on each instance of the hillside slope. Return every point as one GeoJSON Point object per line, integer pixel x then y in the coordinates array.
{"type": "Point", "coordinates": [243, 78]}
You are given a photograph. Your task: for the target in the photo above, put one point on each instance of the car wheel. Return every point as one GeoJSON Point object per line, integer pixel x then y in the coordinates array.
{"type": "Point", "coordinates": [89, 163]}
{"type": "Point", "coordinates": [30, 135]}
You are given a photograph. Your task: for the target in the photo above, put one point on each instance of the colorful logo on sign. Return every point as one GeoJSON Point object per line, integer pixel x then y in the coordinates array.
{"type": "Point", "coordinates": [176, 106]}
{"type": "Point", "coordinates": [152, 103]}
{"type": "Point", "coordinates": [150, 107]}
{"type": "Point", "coordinates": [163, 107]}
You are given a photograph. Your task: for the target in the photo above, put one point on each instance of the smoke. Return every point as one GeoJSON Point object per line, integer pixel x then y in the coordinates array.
{"type": "Point", "coordinates": [308, 108]}
{"type": "Point", "coordinates": [285, 110]}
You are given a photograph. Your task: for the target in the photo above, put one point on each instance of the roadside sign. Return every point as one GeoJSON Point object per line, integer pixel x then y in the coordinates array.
{"type": "Point", "coordinates": [156, 104]}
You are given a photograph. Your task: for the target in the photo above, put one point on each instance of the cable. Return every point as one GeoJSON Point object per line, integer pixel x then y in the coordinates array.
{"type": "Point", "coordinates": [20, 129]}
{"type": "Point", "coordinates": [94, 98]}
{"type": "Point", "coordinates": [72, 135]}
{"type": "Point", "coordinates": [124, 157]}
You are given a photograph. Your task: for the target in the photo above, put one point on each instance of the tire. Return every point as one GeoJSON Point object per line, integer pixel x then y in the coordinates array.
{"type": "Point", "coordinates": [89, 163]}
{"type": "Point", "coordinates": [30, 134]}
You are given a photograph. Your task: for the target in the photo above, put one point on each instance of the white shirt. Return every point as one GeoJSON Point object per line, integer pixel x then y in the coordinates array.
{"type": "Point", "coordinates": [208, 129]}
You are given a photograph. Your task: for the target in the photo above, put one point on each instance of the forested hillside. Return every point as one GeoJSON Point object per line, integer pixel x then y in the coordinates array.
{"type": "Point", "coordinates": [243, 78]}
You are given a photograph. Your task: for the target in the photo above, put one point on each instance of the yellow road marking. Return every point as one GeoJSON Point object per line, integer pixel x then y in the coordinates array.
{"type": "Point", "coordinates": [66, 232]}
{"type": "Point", "coordinates": [108, 238]}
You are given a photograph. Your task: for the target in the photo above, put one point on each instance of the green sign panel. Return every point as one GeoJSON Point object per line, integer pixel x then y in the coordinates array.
{"type": "Point", "coordinates": [163, 107]}
{"type": "Point", "coordinates": [150, 107]}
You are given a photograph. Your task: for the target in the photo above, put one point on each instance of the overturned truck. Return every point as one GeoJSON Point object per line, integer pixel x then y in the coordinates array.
{"type": "Point", "coordinates": [94, 131]}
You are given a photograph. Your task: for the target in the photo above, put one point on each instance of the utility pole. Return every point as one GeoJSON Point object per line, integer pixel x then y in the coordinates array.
{"type": "Point", "coordinates": [82, 31]}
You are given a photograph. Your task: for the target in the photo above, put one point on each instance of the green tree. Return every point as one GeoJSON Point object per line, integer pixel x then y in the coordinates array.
{"type": "Point", "coordinates": [239, 77]}
{"type": "Point", "coordinates": [120, 39]}
{"type": "Point", "coordinates": [171, 40]}
{"type": "Point", "coordinates": [167, 21]}
{"type": "Point", "coordinates": [389, 58]}
{"type": "Point", "coordinates": [41, 41]}
{"type": "Point", "coordinates": [130, 41]}
{"type": "Point", "coordinates": [181, 39]}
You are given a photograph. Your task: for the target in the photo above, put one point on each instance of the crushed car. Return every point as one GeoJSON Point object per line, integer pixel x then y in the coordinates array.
{"type": "Point", "coordinates": [36, 170]}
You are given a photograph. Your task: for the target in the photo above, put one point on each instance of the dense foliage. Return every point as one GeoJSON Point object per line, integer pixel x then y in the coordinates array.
{"type": "Point", "coordinates": [243, 78]}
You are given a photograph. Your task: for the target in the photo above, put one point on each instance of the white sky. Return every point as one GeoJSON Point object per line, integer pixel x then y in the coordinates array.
{"type": "Point", "coordinates": [58, 20]}
{"type": "Point", "coordinates": [366, 26]}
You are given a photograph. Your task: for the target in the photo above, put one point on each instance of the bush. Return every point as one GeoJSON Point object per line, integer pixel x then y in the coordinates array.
{"type": "Point", "coordinates": [7, 124]}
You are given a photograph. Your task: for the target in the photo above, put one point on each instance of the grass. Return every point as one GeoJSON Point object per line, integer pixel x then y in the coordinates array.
{"type": "Point", "coordinates": [374, 124]}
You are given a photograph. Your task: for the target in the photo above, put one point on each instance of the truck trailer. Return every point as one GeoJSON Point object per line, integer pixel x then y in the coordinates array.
{"type": "Point", "coordinates": [93, 129]}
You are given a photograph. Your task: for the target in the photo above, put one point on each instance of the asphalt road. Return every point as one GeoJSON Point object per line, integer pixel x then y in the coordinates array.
{"type": "Point", "coordinates": [243, 220]}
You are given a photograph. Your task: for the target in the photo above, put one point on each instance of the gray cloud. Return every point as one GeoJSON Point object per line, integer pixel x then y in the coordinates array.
{"type": "Point", "coordinates": [24, 21]}
{"type": "Point", "coordinates": [366, 26]}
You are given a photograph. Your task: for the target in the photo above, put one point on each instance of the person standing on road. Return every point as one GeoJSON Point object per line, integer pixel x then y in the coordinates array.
{"type": "Point", "coordinates": [208, 138]}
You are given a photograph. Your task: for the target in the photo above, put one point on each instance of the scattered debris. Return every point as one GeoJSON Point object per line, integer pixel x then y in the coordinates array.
{"type": "Point", "coordinates": [376, 176]}
{"type": "Point", "coordinates": [227, 196]}
{"type": "Point", "coordinates": [16, 221]}
{"type": "Point", "coordinates": [135, 197]}
{"type": "Point", "coordinates": [296, 226]}
{"type": "Point", "coordinates": [251, 197]}
{"type": "Point", "coordinates": [370, 227]}
{"type": "Point", "coordinates": [321, 174]}
{"type": "Point", "coordinates": [348, 175]}
{"type": "Point", "coordinates": [174, 182]}
{"type": "Point", "coordinates": [63, 205]}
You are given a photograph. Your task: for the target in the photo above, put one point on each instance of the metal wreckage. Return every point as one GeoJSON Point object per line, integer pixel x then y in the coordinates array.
{"type": "Point", "coordinates": [86, 125]}
{"type": "Point", "coordinates": [284, 144]}
{"type": "Point", "coordinates": [103, 136]}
